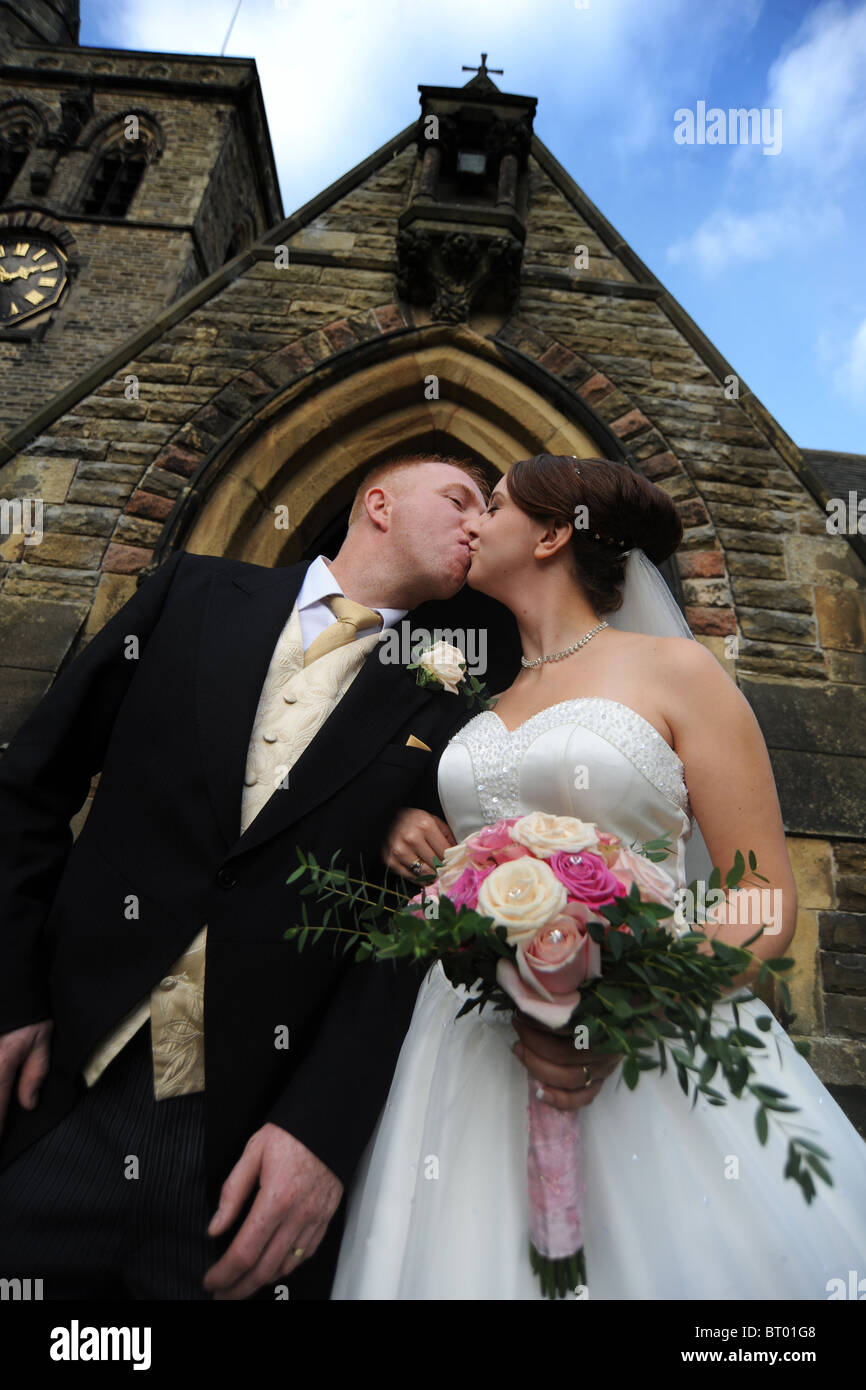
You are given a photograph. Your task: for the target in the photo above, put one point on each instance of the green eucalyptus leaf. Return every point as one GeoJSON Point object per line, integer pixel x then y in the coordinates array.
{"type": "Point", "coordinates": [735, 873]}
{"type": "Point", "coordinates": [813, 1148]}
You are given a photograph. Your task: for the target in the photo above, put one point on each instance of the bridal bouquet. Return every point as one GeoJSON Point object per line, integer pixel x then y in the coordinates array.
{"type": "Point", "coordinates": [562, 922]}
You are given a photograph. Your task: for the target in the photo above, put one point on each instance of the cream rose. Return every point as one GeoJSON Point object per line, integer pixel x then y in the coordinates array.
{"type": "Point", "coordinates": [445, 662]}
{"type": "Point", "coordinates": [521, 895]}
{"type": "Point", "coordinates": [546, 835]}
{"type": "Point", "coordinates": [454, 860]}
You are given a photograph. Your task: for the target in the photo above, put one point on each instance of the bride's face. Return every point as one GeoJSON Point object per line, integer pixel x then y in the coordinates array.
{"type": "Point", "coordinates": [502, 541]}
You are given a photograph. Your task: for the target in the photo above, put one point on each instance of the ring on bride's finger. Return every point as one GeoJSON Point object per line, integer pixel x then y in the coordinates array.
{"type": "Point", "coordinates": [539, 1093]}
{"type": "Point", "coordinates": [588, 1081]}
{"type": "Point", "coordinates": [298, 1251]}
{"type": "Point", "coordinates": [415, 867]}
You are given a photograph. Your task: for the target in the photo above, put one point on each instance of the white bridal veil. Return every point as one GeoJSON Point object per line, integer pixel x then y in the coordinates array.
{"type": "Point", "coordinates": [649, 607]}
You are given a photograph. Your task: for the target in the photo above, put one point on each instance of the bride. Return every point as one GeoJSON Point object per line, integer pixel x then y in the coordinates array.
{"type": "Point", "coordinates": [644, 734]}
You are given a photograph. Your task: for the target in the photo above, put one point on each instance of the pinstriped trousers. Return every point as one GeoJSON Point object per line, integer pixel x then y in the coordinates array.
{"type": "Point", "coordinates": [72, 1215]}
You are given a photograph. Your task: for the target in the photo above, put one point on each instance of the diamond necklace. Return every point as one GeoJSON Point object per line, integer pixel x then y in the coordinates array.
{"type": "Point", "coordinates": [557, 656]}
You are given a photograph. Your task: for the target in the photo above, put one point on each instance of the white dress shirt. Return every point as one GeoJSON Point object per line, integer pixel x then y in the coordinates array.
{"type": "Point", "coordinates": [314, 613]}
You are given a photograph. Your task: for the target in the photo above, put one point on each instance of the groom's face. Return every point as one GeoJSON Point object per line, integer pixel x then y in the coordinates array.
{"type": "Point", "coordinates": [433, 521]}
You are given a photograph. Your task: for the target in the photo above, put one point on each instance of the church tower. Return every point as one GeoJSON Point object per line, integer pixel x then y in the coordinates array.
{"type": "Point", "coordinates": [125, 180]}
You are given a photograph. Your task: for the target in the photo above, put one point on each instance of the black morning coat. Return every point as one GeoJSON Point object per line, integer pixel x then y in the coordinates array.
{"type": "Point", "coordinates": [168, 731]}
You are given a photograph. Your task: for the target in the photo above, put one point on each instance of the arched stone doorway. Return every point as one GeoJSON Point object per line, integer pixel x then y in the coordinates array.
{"type": "Point", "coordinates": [278, 488]}
{"type": "Point", "coordinates": [306, 449]}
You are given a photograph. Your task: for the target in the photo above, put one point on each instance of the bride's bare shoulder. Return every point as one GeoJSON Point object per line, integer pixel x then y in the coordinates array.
{"type": "Point", "coordinates": [676, 658]}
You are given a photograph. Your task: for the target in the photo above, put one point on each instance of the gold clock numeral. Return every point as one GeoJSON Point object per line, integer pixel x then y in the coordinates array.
{"type": "Point", "coordinates": [50, 280]}
{"type": "Point", "coordinates": [2, 250]}
{"type": "Point", "coordinates": [52, 265]}
{"type": "Point", "coordinates": [34, 296]}
{"type": "Point", "coordinates": [41, 252]}
{"type": "Point", "coordinates": [15, 309]}
{"type": "Point", "coordinates": [22, 248]}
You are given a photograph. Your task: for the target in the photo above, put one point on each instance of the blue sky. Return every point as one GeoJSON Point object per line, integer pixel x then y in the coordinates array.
{"type": "Point", "coordinates": [764, 251]}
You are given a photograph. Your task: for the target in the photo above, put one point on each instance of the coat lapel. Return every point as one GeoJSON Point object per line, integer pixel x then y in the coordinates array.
{"type": "Point", "coordinates": [244, 619]}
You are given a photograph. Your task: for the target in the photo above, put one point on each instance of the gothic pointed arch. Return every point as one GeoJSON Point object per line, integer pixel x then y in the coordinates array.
{"type": "Point", "coordinates": [242, 235]}
{"type": "Point", "coordinates": [121, 147]}
{"type": "Point", "coordinates": [286, 467]}
{"type": "Point", "coordinates": [22, 128]}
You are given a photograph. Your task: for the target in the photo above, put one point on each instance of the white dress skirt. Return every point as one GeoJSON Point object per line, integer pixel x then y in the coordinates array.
{"type": "Point", "coordinates": [680, 1202]}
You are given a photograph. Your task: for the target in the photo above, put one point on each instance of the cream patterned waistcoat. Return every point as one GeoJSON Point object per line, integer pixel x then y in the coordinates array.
{"type": "Point", "coordinates": [294, 703]}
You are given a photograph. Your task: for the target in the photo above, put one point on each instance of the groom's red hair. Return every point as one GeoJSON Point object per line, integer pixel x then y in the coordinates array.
{"type": "Point", "coordinates": [376, 476]}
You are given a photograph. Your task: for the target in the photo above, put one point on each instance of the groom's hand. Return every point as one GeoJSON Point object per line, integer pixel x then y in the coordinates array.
{"type": "Point", "coordinates": [30, 1049]}
{"type": "Point", "coordinates": [297, 1197]}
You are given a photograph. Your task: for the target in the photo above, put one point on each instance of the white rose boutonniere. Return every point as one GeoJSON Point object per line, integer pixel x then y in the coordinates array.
{"type": "Point", "coordinates": [445, 665]}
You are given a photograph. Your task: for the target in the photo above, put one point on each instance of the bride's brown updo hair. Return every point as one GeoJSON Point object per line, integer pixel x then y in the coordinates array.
{"type": "Point", "coordinates": [624, 511]}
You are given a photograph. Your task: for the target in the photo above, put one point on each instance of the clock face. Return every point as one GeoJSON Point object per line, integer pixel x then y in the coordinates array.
{"type": "Point", "coordinates": [32, 275]}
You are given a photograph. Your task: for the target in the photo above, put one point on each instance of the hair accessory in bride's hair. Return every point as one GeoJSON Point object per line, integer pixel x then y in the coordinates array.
{"type": "Point", "coordinates": [608, 540]}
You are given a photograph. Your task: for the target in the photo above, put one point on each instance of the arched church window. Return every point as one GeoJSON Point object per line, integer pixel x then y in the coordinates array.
{"type": "Point", "coordinates": [126, 150]}
{"type": "Point", "coordinates": [11, 159]}
{"type": "Point", "coordinates": [20, 128]}
{"type": "Point", "coordinates": [240, 239]}
{"type": "Point", "coordinates": [114, 183]}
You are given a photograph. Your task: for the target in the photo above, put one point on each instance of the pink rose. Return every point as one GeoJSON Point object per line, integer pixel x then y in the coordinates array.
{"type": "Point", "coordinates": [560, 956]}
{"type": "Point", "coordinates": [585, 876]}
{"type": "Point", "coordinates": [463, 892]}
{"type": "Point", "coordinates": [415, 906]}
{"type": "Point", "coordinates": [653, 883]}
{"type": "Point", "coordinates": [501, 856]}
{"type": "Point", "coordinates": [553, 1013]}
{"type": "Point", "coordinates": [491, 837]}
{"type": "Point", "coordinates": [607, 846]}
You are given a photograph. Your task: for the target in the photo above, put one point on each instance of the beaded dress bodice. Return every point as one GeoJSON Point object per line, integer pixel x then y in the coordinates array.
{"type": "Point", "coordinates": [591, 757]}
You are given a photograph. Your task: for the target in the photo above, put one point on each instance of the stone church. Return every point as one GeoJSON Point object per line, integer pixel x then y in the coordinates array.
{"type": "Point", "coordinates": [182, 365]}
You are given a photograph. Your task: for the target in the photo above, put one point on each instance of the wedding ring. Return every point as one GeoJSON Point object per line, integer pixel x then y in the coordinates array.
{"type": "Point", "coordinates": [415, 867]}
{"type": "Point", "coordinates": [588, 1081]}
{"type": "Point", "coordinates": [298, 1251]}
{"type": "Point", "coordinates": [539, 1093]}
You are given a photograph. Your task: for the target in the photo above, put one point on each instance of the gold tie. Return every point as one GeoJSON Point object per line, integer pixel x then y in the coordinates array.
{"type": "Point", "coordinates": [350, 617]}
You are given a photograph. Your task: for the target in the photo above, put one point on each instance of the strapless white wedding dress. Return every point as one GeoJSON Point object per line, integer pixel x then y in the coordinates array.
{"type": "Point", "coordinates": [679, 1203]}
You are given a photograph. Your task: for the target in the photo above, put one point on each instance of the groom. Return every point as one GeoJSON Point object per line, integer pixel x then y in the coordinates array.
{"type": "Point", "coordinates": [164, 1054]}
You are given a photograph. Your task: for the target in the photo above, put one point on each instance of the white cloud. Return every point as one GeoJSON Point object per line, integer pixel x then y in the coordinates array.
{"type": "Point", "coordinates": [850, 378]}
{"type": "Point", "coordinates": [794, 199]}
{"type": "Point", "coordinates": [727, 240]}
{"type": "Point", "coordinates": [820, 84]}
{"type": "Point", "coordinates": [320, 67]}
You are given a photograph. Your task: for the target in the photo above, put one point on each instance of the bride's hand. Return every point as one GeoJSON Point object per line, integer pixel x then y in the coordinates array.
{"type": "Point", "coordinates": [560, 1070]}
{"type": "Point", "coordinates": [415, 836]}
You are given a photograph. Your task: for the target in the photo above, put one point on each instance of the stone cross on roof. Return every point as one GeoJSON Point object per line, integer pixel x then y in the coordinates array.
{"type": "Point", "coordinates": [483, 70]}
